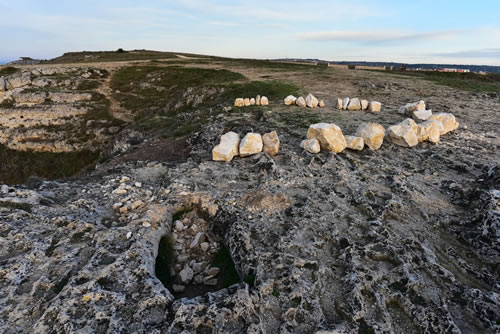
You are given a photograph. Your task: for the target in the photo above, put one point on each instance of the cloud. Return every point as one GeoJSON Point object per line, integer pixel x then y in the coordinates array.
{"type": "Point", "coordinates": [481, 53]}
{"type": "Point", "coordinates": [380, 36]}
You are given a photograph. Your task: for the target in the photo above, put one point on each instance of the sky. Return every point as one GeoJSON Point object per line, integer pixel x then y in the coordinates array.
{"type": "Point", "coordinates": [421, 31]}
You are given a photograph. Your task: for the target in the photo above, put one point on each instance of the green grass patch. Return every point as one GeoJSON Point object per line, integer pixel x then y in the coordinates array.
{"type": "Point", "coordinates": [8, 70]}
{"type": "Point", "coordinates": [106, 56]}
{"type": "Point", "coordinates": [488, 83]}
{"type": "Point", "coordinates": [17, 166]}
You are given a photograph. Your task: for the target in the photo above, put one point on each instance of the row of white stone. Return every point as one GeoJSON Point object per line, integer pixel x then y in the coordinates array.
{"type": "Point", "coordinates": [310, 101]}
{"type": "Point", "coordinates": [408, 133]}
{"type": "Point", "coordinates": [253, 143]}
{"type": "Point", "coordinates": [329, 137]}
{"type": "Point", "coordinates": [257, 101]}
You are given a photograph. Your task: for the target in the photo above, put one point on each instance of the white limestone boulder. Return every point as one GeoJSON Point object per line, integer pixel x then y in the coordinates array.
{"type": "Point", "coordinates": [355, 143]}
{"type": "Point", "coordinates": [228, 147]}
{"type": "Point", "coordinates": [404, 134]}
{"type": "Point", "coordinates": [411, 107]}
{"type": "Point", "coordinates": [251, 144]}
{"type": "Point", "coordinates": [448, 120]}
{"type": "Point", "coordinates": [372, 134]}
{"type": "Point", "coordinates": [354, 104]}
{"type": "Point", "coordinates": [430, 131]}
{"type": "Point", "coordinates": [264, 101]}
{"type": "Point", "coordinates": [339, 103]}
{"type": "Point", "coordinates": [364, 104]}
{"type": "Point", "coordinates": [271, 143]}
{"type": "Point", "coordinates": [239, 102]}
{"type": "Point", "coordinates": [375, 106]}
{"type": "Point", "coordinates": [345, 103]}
{"type": "Point", "coordinates": [329, 135]}
{"type": "Point", "coordinates": [421, 115]}
{"type": "Point", "coordinates": [290, 100]}
{"type": "Point", "coordinates": [301, 102]}
{"type": "Point", "coordinates": [311, 101]}
{"type": "Point", "coordinates": [311, 145]}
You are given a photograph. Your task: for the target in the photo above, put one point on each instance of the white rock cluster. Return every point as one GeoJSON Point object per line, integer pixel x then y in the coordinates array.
{"type": "Point", "coordinates": [245, 102]}
{"type": "Point", "coordinates": [253, 143]}
{"type": "Point", "coordinates": [194, 248]}
{"type": "Point", "coordinates": [310, 101]}
{"type": "Point", "coordinates": [416, 110]}
{"type": "Point", "coordinates": [354, 104]}
{"type": "Point", "coordinates": [408, 133]}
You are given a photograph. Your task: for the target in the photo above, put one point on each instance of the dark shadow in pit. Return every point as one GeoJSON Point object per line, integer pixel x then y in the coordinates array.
{"type": "Point", "coordinates": [227, 276]}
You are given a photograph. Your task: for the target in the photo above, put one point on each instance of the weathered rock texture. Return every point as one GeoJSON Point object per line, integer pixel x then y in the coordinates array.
{"type": "Point", "coordinates": [228, 147]}
{"type": "Point", "coordinates": [330, 136]}
{"type": "Point", "coordinates": [372, 134]}
{"type": "Point", "coordinates": [404, 133]}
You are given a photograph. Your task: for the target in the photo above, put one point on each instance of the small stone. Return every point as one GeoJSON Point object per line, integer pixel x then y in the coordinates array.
{"type": "Point", "coordinates": [354, 104]}
{"type": "Point", "coordinates": [364, 104]}
{"type": "Point", "coordinates": [321, 103]}
{"type": "Point", "coordinates": [120, 191]}
{"type": "Point", "coordinates": [257, 100]}
{"type": "Point", "coordinates": [271, 143]}
{"type": "Point", "coordinates": [228, 147]}
{"type": "Point", "coordinates": [118, 205]}
{"type": "Point", "coordinates": [421, 115]}
{"type": "Point", "coordinates": [311, 101]}
{"type": "Point", "coordinates": [339, 103]}
{"type": "Point", "coordinates": [372, 134]}
{"type": "Point", "coordinates": [199, 238]}
{"type": "Point", "coordinates": [124, 179]}
{"type": "Point", "coordinates": [136, 204]}
{"type": "Point", "coordinates": [123, 209]}
{"type": "Point", "coordinates": [210, 282]}
{"type": "Point", "coordinates": [345, 103]}
{"type": "Point", "coordinates": [264, 101]}
{"type": "Point", "coordinates": [204, 246]}
{"type": "Point", "coordinates": [146, 224]}
{"type": "Point", "coordinates": [290, 100]}
{"type": "Point", "coordinates": [404, 133]}
{"type": "Point", "coordinates": [246, 102]}
{"type": "Point", "coordinates": [374, 106]}
{"type": "Point", "coordinates": [138, 185]}
{"type": "Point", "coordinates": [252, 101]}
{"type": "Point", "coordinates": [186, 274]}
{"type": "Point", "coordinates": [182, 258]}
{"type": "Point", "coordinates": [355, 143]}
{"type": "Point", "coordinates": [214, 271]}
{"type": "Point", "coordinates": [311, 145]}
{"type": "Point", "coordinates": [199, 267]}
{"type": "Point", "coordinates": [251, 144]}
{"type": "Point", "coordinates": [448, 121]}
{"type": "Point", "coordinates": [330, 136]}
{"type": "Point", "coordinates": [239, 102]}
{"type": "Point", "coordinates": [301, 102]}
{"type": "Point", "coordinates": [178, 225]}
{"type": "Point", "coordinates": [129, 235]}
{"type": "Point", "coordinates": [198, 279]}
{"type": "Point", "coordinates": [178, 287]}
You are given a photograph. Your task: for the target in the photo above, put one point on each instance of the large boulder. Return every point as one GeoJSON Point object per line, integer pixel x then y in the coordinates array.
{"type": "Point", "coordinates": [330, 136]}
{"type": "Point", "coordinates": [372, 134]}
{"type": "Point", "coordinates": [430, 131]}
{"type": "Point", "coordinates": [354, 104]}
{"type": "Point", "coordinates": [311, 145]}
{"type": "Point", "coordinates": [239, 102]}
{"type": "Point", "coordinates": [264, 101]}
{"type": "Point", "coordinates": [421, 115]}
{"type": "Point", "coordinates": [374, 106]}
{"type": "Point", "coordinates": [345, 103]}
{"type": "Point", "coordinates": [311, 101]}
{"type": "Point", "coordinates": [228, 147]}
{"type": "Point", "coordinates": [271, 143]}
{"type": "Point", "coordinates": [448, 120]}
{"type": "Point", "coordinates": [251, 144]}
{"type": "Point", "coordinates": [411, 107]}
{"type": "Point", "coordinates": [301, 102]}
{"type": "Point", "coordinates": [355, 143]}
{"type": "Point", "coordinates": [404, 134]}
{"type": "Point", "coordinates": [290, 100]}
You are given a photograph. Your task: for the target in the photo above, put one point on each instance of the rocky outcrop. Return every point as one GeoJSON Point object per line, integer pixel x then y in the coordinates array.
{"type": "Point", "coordinates": [330, 136]}
{"type": "Point", "coordinates": [372, 134]}
{"type": "Point", "coordinates": [228, 147]}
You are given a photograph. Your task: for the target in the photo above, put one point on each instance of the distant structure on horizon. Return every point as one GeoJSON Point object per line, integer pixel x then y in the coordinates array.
{"type": "Point", "coordinates": [26, 61]}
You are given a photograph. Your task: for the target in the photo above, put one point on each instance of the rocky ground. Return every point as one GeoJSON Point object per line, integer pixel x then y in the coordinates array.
{"type": "Point", "coordinates": [398, 240]}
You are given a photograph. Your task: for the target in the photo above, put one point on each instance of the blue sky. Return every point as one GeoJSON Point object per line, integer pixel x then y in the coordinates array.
{"type": "Point", "coordinates": [381, 30]}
